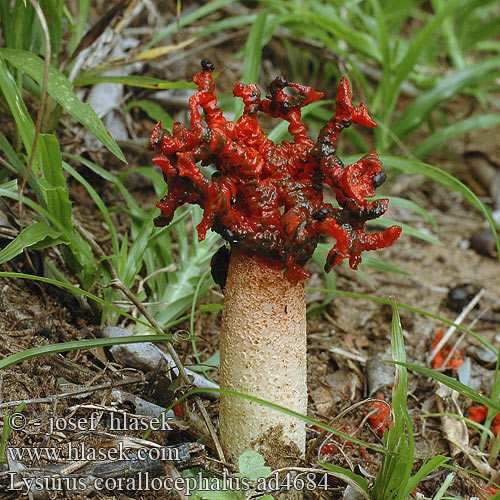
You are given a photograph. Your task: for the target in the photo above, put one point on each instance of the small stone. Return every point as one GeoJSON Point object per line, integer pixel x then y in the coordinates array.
{"type": "Point", "coordinates": [461, 295]}
{"type": "Point", "coordinates": [483, 242]}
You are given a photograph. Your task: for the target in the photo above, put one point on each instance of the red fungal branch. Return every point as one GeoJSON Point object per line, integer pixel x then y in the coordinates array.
{"type": "Point", "coordinates": [266, 199]}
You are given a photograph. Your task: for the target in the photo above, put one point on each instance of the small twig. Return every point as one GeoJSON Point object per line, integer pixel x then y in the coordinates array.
{"type": "Point", "coordinates": [452, 328]}
{"type": "Point", "coordinates": [168, 269]}
{"type": "Point", "coordinates": [69, 394]}
{"type": "Point", "coordinates": [347, 354]}
{"type": "Point", "coordinates": [320, 439]}
{"type": "Point", "coordinates": [457, 343]}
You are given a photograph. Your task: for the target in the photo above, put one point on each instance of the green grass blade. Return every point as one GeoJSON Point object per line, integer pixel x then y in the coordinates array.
{"type": "Point", "coordinates": [154, 111]}
{"type": "Point", "coordinates": [39, 233]}
{"type": "Point", "coordinates": [53, 14]}
{"type": "Point", "coordinates": [135, 252]}
{"type": "Point", "coordinates": [401, 418]}
{"type": "Point", "coordinates": [19, 111]}
{"type": "Point", "coordinates": [418, 111]}
{"type": "Point", "coordinates": [444, 178]}
{"type": "Point", "coordinates": [53, 185]}
{"type": "Point", "coordinates": [253, 55]}
{"type": "Point", "coordinates": [19, 357]}
{"type": "Point", "coordinates": [409, 205]}
{"type": "Point", "coordinates": [341, 471]}
{"type": "Point", "coordinates": [20, 167]}
{"type": "Point", "coordinates": [455, 52]}
{"type": "Point", "coordinates": [9, 187]}
{"type": "Point", "coordinates": [468, 421]}
{"type": "Point", "coordinates": [426, 469]}
{"type": "Point", "coordinates": [381, 300]}
{"type": "Point", "coordinates": [283, 410]}
{"type": "Point", "coordinates": [331, 23]}
{"type": "Point", "coordinates": [415, 48]}
{"type": "Point", "coordinates": [419, 43]}
{"type": "Point", "coordinates": [61, 89]}
{"type": "Point", "coordinates": [383, 39]}
{"type": "Point", "coordinates": [79, 291]}
{"type": "Point", "coordinates": [51, 160]}
{"type": "Point", "coordinates": [411, 231]}
{"type": "Point", "coordinates": [98, 201]}
{"type": "Point", "coordinates": [79, 246]}
{"type": "Point", "coordinates": [133, 206]}
{"type": "Point", "coordinates": [457, 129]}
{"type": "Point", "coordinates": [382, 265]}
{"type": "Point", "coordinates": [199, 13]}
{"type": "Point", "coordinates": [145, 82]}
{"type": "Point", "coordinates": [226, 24]}
{"type": "Point", "coordinates": [330, 279]}
{"type": "Point", "coordinates": [83, 12]}
{"type": "Point", "coordinates": [6, 431]}
{"type": "Point", "coordinates": [453, 384]}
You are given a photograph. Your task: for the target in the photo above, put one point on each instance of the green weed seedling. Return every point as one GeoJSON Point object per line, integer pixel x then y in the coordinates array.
{"type": "Point", "coordinates": [238, 487]}
{"type": "Point", "coordinates": [394, 480]}
{"type": "Point", "coordinates": [6, 431]}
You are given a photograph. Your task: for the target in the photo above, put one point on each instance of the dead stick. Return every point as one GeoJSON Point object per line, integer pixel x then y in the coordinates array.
{"type": "Point", "coordinates": [76, 392]}
{"type": "Point", "coordinates": [452, 328]}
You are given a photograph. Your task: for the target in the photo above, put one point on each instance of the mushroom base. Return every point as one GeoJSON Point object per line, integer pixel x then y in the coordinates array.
{"type": "Point", "coordinates": [263, 354]}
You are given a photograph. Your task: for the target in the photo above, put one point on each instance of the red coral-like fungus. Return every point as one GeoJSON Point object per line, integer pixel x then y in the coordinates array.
{"type": "Point", "coordinates": [264, 198]}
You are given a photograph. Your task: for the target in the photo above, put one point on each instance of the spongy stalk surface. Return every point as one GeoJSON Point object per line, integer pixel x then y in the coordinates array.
{"type": "Point", "coordinates": [263, 354]}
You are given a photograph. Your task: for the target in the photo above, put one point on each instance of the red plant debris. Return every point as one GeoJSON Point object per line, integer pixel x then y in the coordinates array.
{"type": "Point", "coordinates": [438, 361]}
{"type": "Point", "coordinates": [479, 413]}
{"type": "Point", "coordinates": [264, 198]}
{"type": "Point", "coordinates": [379, 416]}
{"type": "Point", "coordinates": [178, 410]}
{"type": "Point", "coordinates": [332, 448]}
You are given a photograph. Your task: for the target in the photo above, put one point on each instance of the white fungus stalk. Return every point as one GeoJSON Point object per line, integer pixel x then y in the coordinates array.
{"type": "Point", "coordinates": [263, 354]}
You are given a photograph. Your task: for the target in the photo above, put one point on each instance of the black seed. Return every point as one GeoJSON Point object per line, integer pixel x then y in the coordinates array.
{"type": "Point", "coordinates": [379, 179]}
{"type": "Point", "coordinates": [206, 64]}
{"type": "Point", "coordinates": [228, 235]}
{"type": "Point", "coordinates": [220, 265]}
{"type": "Point", "coordinates": [461, 295]}
{"type": "Point", "coordinates": [330, 259]}
{"type": "Point", "coordinates": [320, 214]}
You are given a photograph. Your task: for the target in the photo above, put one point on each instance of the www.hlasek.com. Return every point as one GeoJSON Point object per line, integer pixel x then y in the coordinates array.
{"type": "Point", "coordinates": [81, 452]}
{"type": "Point", "coordinates": [145, 482]}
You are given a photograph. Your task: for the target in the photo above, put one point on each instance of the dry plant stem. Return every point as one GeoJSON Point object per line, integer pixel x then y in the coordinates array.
{"type": "Point", "coordinates": [263, 354]}
{"type": "Point", "coordinates": [82, 390]}
{"type": "Point", "coordinates": [458, 321]}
